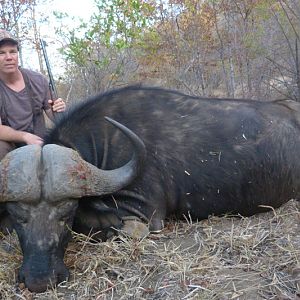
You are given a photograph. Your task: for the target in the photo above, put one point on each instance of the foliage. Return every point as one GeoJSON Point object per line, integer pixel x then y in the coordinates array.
{"type": "Point", "coordinates": [11, 12]}
{"type": "Point", "coordinates": [118, 25]}
{"type": "Point", "coordinates": [233, 48]}
{"type": "Point", "coordinates": [104, 44]}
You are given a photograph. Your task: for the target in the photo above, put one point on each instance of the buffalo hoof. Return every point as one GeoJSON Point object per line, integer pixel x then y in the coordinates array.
{"type": "Point", "coordinates": [134, 228]}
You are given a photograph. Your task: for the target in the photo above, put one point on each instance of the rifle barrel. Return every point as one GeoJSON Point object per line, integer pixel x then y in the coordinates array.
{"type": "Point", "coordinates": [52, 87]}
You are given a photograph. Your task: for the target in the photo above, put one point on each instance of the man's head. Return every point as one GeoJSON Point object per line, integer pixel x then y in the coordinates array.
{"type": "Point", "coordinates": [9, 47]}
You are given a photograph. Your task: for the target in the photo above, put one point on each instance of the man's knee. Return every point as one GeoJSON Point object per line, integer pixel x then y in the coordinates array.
{"type": "Point", "coordinates": [5, 147]}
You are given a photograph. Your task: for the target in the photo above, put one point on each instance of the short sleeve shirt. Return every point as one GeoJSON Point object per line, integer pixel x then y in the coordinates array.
{"type": "Point", "coordinates": [21, 107]}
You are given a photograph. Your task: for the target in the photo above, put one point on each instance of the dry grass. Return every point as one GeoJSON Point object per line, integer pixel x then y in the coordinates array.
{"type": "Point", "coordinates": [218, 258]}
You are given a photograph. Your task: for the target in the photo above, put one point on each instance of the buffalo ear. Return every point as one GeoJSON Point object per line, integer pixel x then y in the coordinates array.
{"type": "Point", "coordinates": [81, 128]}
{"type": "Point", "coordinates": [19, 175]}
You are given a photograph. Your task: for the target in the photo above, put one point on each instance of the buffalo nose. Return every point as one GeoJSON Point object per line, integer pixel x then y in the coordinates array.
{"type": "Point", "coordinates": [40, 283]}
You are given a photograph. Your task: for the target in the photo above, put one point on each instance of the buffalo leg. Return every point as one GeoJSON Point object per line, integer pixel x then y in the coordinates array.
{"type": "Point", "coordinates": [6, 225]}
{"type": "Point", "coordinates": [95, 219]}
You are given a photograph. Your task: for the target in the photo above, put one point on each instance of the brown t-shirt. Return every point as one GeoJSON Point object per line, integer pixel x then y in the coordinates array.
{"type": "Point", "coordinates": [24, 110]}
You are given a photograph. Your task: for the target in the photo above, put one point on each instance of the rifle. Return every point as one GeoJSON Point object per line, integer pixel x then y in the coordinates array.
{"type": "Point", "coordinates": [52, 87]}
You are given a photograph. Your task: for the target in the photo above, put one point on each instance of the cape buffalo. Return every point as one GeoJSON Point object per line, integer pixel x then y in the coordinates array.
{"type": "Point", "coordinates": [170, 154]}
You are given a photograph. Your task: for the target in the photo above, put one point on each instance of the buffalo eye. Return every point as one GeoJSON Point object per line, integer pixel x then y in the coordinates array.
{"type": "Point", "coordinates": [22, 220]}
{"type": "Point", "coordinates": [66, 217]}
{"type": "Point", "coordinates": [18, 214]}
{"type": "Point", "coordinates": [66, 212]}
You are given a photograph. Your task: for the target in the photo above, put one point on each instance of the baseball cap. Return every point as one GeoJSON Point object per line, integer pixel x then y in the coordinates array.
{"type": "Point", "coordinates": [6, 36]}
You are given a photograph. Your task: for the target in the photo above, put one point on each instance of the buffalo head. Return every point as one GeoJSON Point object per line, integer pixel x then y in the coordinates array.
{"type": "Point", "coordinates": [42, 186]}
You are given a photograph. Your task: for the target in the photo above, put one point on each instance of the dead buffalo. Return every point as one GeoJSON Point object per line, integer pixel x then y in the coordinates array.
{"type": "Point", "coordinates": [169, 155]}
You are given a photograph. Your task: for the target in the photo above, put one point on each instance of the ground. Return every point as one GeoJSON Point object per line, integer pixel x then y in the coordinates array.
{"type": "Point", "coordinates": [219, 258]}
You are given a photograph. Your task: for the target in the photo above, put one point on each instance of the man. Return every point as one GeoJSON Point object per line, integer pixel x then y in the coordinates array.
{"type": "Point", "coordinates": [24, 95]}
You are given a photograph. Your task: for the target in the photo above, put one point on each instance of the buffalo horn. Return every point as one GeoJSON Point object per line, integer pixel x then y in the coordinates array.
{"type": "Point", "coordinates": [19, 175]}
{"type": "Point", "coordinates": [67, 175]}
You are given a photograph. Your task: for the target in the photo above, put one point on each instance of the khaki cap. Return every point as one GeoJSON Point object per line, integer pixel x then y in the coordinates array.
{"type": "Point", "coordinates": [6, 36]}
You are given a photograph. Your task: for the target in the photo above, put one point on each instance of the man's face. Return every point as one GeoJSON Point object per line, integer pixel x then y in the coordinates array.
{"type": "Point", "coordinates": [8, 58]}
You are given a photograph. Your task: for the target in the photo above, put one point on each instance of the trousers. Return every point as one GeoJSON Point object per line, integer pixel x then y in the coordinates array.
{"type": "Point", "coordinates": [6, 147]}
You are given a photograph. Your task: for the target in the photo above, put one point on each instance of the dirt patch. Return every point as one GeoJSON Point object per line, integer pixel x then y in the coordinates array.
{"type": "Point", "coordinates": [218, 258]}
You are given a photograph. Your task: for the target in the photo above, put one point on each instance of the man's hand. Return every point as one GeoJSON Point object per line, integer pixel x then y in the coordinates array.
{"type": "Point", "coordinates": [57, 105]}
{"type": "Point", "coordinates": [32, 139]}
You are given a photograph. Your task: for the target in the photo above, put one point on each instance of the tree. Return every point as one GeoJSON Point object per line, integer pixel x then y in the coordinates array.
{"type": "Point", "coordinates": [286, 62]}
{"type": "Point", "coordinates": [208, 47]}
{"type": "Point", "coordinates": [102, 50]}
{"type": "Point", "coordinates": [11, 12]}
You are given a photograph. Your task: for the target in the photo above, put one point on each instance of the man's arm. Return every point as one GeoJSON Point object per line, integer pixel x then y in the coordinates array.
{"type": "Point", "coordinates": [9, 134]}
